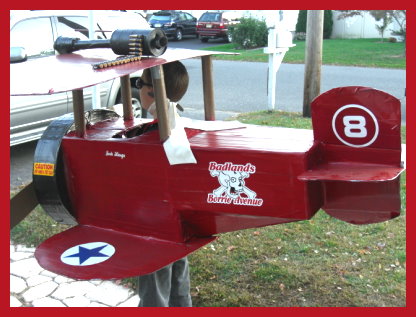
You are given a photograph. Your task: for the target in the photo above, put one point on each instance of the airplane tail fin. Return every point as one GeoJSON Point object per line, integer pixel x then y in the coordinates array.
{"type": "Point", "coordinates": [358, 117]}
{"type": "Point", "coordinates": [358, 156]}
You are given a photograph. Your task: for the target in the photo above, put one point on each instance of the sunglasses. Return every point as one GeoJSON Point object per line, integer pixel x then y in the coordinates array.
{"type": "Point", "coordinates": [140, 83]}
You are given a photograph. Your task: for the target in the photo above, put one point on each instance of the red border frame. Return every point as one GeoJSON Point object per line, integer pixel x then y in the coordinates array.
{"type": "Point", "coordinates": [5, 158]}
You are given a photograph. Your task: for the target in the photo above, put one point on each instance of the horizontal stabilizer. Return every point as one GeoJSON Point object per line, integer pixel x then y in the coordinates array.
{"type": "Point", "coordinates": [352, 172]}
{"type": "Point", "coordinates": [88, 252]}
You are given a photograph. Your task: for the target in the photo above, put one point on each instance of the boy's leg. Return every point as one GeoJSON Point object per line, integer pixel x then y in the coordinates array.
{"type": "Point", "coordinates": [154, 288]}
{"type": "Point", "coordinates": [180, 290]}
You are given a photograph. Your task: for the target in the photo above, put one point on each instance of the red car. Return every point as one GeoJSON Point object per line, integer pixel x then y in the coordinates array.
{"type": "Point", "coordinates": [212, 25]}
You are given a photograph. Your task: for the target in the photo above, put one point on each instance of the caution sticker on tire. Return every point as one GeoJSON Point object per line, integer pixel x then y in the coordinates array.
{"type": "Point", "coordinates": [43, 169]}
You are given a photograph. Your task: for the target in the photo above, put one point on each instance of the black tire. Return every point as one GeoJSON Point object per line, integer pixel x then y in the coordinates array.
{"type": "Point", "coordinates": [204, 39]}
{"type": "Point", "coordinates": [139, 112]}
{"type": "Point", "coordinates": [178, 35]}
{"type": "Point", "coordinates": [51, 191]}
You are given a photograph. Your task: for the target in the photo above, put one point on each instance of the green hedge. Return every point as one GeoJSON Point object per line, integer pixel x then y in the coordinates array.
{"type": "Point", "coordinates": [250, 33]}
{"type": "Point", "coordinates": [328, 23]}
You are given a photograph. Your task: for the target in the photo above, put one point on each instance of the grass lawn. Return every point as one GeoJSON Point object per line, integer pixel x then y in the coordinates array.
{"type": "Point", "coordinates": [320, 262]}
{"type": "Point", "coordinates": [348, 52]}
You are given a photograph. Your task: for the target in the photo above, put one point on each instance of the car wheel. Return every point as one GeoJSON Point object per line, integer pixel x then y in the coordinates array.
{"type": "Point", "coordinates": [138, 111]}
{"type": "Point", "coordinates": [178, 35]}
{"type": "Point", "coordinates": [229, 37]}
{"type": "Point", "coordinates": [204, 39]}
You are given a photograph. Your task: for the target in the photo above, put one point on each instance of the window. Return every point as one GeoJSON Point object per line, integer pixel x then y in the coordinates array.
{"type": "Point", "coordinates": [189, 17]}
{"type": "Point", "coordinates": [210, 17]}
{"type": "Point", "coordinates": [161, 18]}
{"type": "Point", "coordinates": [182, 17]}
{"type": "Point", "coordinates": [35, 35]}
{"type": "Point", "coordinates": [73, 27]}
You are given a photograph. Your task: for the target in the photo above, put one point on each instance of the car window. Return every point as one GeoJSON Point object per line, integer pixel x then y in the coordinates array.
{"type": "Point", "coordinates": [210, 17]}
{"type": "Point", "coordinates": [73, 27]}
{"type": "Point", "coordinates": [163, 18]}
{"type": "Point", "coordinates": [105, 24]}
{"type": "Point", "coordinates": [182, 17]}
{"type": "Point", "coordinates": [35, 35]}
{"type": "Point", "coordinates": [188, 16]}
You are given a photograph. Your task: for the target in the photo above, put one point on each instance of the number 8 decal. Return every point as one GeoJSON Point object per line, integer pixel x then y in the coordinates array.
{"type": "Point", "coordinates": [355, 125]}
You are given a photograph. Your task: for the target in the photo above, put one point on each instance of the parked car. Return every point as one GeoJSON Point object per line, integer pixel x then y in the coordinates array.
{"type": "Point", "coordinates": [175, 24]}
{"type": "Point", "coordinates": [215, 24]}
{"type": "Point", "coordinates": [35, 32]}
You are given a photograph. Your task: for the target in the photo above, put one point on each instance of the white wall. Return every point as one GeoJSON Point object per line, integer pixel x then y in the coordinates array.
{"type": "Point", "coordinates": [359, 27]}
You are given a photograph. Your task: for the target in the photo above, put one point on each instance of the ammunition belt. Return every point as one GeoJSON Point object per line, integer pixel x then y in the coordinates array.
{"type": "Point", "coordinates": [135, 50]}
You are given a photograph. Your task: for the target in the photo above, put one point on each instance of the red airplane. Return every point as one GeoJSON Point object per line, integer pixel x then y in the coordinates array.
{"type": "Point", "coordinates": [134, 212]}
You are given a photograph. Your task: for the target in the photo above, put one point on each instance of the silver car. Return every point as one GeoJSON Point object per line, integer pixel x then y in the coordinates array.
{"type": "Point", "coordinates": [35, 32]}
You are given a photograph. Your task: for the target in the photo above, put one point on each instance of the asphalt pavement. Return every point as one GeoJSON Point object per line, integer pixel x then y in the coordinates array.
{"type": "Point", "coordinates": [242, 86]}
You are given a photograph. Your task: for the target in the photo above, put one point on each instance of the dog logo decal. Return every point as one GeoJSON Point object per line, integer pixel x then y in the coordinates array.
{"type": "Point", "coordinates": [233, 189]}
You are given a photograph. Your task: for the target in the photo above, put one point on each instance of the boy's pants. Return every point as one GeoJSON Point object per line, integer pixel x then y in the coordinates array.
{"type": "Point", "coordinates": [167, 287]}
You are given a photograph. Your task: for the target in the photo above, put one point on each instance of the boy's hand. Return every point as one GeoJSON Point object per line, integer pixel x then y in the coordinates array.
{"type": "Point", "coordinates": [152, 110]}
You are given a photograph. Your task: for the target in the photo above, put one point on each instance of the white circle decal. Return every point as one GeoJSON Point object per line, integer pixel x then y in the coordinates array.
{"type": "Point", "coordinates": [88, 254]}
{"type": "Point", "coordinates": [355, 125]}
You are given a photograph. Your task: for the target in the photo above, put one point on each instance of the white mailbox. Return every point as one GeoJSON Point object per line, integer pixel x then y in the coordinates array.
{"type": "Point", "coordinates": [284, 38]}
{"type": "Point", "coordinates": [279, 42]}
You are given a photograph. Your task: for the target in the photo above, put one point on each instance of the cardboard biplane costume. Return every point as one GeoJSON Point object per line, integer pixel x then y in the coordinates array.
{"type": "Point", "coordinates": [140, 202]}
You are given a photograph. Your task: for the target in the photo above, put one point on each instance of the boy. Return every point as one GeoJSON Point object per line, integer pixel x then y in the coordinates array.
{"type": "Point", "coordinates": [169, 286]}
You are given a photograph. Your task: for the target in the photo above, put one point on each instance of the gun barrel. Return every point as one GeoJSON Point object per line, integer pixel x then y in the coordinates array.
{"type": "Point", "coordinates": [66, 45]}
{"type": "Point", "coordinates": [152, 42]}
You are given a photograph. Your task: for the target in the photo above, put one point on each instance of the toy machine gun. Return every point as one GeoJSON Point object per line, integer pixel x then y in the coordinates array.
{"type": "Point", "coordinates": [132, 43]}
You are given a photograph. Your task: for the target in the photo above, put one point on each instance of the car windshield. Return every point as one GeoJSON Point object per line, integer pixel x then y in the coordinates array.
{"type": "Point", "coordinates": [162, 18]}
{"type": "Point", "coordinates": [210, 17]}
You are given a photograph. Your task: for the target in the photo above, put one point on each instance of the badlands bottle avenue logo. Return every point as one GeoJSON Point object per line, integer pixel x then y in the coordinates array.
{"type": "Point", "coordinates": [233, 189]}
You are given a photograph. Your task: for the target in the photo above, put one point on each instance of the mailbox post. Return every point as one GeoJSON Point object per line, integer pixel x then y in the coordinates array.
{"type": "Point", "coordinates": [279, 42]}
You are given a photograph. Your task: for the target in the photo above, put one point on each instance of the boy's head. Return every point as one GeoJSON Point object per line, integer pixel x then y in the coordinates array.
{"type": "Point", "coordinates": [176, 79]}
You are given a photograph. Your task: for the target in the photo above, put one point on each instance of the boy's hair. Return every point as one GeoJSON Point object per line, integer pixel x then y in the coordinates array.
{"type": "Point", "coordinates": [176, 79]}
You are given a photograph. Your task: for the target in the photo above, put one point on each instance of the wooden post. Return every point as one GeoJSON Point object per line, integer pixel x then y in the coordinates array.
{"type": "Point", "coordinates": [208, 88]}
{"type": "Point", "coordinates": [161, 101]}
{"type": "Point", "coordinates": [313, 58]}
{"type": "Point", "coordinates": [22, 204]}
{"type": "Point", "coordinates": [79, 118]}
{"type": "Point", "coordinates": [126, 97]}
